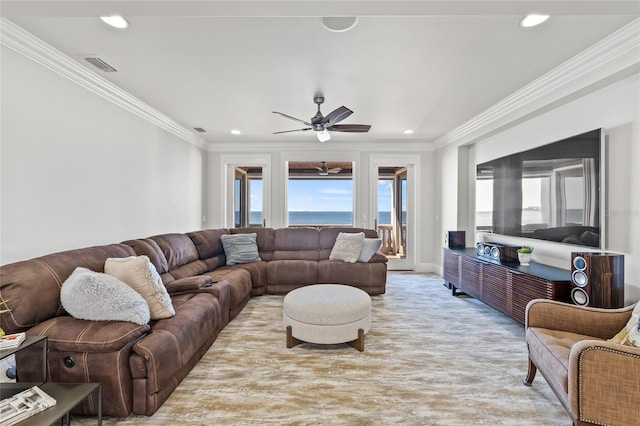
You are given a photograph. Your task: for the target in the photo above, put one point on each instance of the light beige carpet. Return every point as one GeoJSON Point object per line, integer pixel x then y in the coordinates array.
{"type": "Point", "coordinates": [430, 359]}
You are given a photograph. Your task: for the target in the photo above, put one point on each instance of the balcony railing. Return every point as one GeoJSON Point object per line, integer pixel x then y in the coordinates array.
{"type": "Point", "coordinates": [389, 244]}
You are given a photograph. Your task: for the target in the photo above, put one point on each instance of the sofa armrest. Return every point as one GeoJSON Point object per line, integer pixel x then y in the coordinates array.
{"type": "Point", "coordinates": [596, 322]}
{"type": "Point", "coordinates": [189, 284]}
{"type": "Point", "coordinates": [604, 382]}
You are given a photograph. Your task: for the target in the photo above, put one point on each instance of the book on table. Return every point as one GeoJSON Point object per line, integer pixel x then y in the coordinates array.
{"type": "Point", "coordinates": [9, 341]}
{"type": "Point", "coordinates": [24, 405]}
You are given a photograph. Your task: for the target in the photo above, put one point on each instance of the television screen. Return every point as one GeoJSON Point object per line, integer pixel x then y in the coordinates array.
{"type": "Point", "coordinates": [551, 192]}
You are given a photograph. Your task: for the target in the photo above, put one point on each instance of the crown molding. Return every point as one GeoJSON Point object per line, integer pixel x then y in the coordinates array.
{"type": "Point", "coordinates": [23, 42]}
{"type": "Point", "coordinates": [608, 58]}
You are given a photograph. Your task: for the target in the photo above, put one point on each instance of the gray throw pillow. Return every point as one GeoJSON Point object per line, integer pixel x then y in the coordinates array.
{"type": "Point", "coordinates": [240, 248]}
{"type": "Point", "coordinates": [369, 248]}
{"type": "Point", "coordinates": [96, 296]}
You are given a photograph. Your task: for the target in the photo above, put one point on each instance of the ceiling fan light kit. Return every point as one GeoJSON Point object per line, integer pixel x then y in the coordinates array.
{"type": "Point", "coordinates": [322, 125]}
{"type": "Point", "coordinates": [323, 135]}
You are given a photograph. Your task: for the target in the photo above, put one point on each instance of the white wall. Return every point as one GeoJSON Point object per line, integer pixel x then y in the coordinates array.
{"type": "Point", "coordinates": [77, 170]}
{"type": "Point", "coordinates": [615, 108]}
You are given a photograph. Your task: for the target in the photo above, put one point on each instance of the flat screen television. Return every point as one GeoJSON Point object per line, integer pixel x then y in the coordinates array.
{"type": "Point", "coordinates": [552, 192]}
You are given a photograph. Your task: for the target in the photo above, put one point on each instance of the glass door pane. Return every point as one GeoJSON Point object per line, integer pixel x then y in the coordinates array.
{"type": "Point", "coordinates": [247, 197]}
{"type": "Point", "coordinates": [392, 211]}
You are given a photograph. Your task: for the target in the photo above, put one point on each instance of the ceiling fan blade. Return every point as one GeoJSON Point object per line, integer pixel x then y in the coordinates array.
{"type": "Point", "coordinates": [335, 170]}
{"type": "Point", "coordinates": [293, 118]}
{"type": "Point", "coordinates": [337, 115]}
{"type": "Point", "coordinates": [289, 131]}
{"type": "Point", "coordinates": [353, 128]}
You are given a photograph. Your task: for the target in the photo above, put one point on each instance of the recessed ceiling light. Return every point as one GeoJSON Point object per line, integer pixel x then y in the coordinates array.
{"type": "Point", "coordinates": [339, 24]}
{"type": "Point", "coordinates": [115, 21]}
{"type": "Point", "coordinates": [532, 20]}
{"type": "Point", "coordinates": [236, 132]}
{"type": "Point", "coordinates": [408, 132]}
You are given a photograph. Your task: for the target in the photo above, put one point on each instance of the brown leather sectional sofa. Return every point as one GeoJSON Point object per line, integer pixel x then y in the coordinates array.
{"type": "Point", "coordinates": [139, 366]}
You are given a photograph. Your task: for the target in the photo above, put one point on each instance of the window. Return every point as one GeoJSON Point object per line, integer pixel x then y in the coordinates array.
{"type": "Point", "coordinates": [320, 194]}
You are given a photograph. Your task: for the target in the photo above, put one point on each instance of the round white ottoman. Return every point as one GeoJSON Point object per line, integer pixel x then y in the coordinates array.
{"type": "Point", "coordinates": [327, 314]}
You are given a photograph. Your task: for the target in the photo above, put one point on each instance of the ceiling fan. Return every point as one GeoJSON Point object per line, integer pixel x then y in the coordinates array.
{"type": "Point", "coordinates": [322, 125]}
{"type": "Point", "coordinates": [325, 171]}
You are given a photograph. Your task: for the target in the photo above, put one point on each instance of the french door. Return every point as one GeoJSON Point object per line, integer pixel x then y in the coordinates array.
{"type": "Point", "coordinates": [393, 209]}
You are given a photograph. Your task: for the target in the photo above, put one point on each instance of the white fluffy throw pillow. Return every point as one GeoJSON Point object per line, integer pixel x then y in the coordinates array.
{"type": "Point", "coordinates": [96, 296]}
{"type": "Point", "coordinates": [369, 248]}
{"type": "Point", "coordinates": [347, 247]}
{"type": "Point", "coordinates": [139, 273]}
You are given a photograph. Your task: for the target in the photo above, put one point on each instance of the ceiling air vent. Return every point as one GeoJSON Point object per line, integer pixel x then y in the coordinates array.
{"type": "Point", "coordinates": [199, 129]}
{"type": "Point", "coordinates": [100, 64]}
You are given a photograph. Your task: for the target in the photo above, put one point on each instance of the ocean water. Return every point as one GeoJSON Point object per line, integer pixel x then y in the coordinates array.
{"type": "Point", "coordinates": [322, 218]}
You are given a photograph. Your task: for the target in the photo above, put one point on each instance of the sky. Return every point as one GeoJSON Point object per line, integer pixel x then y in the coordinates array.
{"type": "Point", "coordinates": [321, 195]}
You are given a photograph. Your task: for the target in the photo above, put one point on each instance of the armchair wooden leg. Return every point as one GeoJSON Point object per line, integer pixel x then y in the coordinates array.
{"type": "Point", "coordinates": [531, 373]}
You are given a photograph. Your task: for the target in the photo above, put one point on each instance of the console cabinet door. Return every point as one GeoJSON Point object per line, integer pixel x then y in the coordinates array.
{"type": "Point", "coordinates": [495, 291]}
{"type": "Point", "coordinates": [525, 288]}
{"type": "Point", "coordinates": [451, 268]}
{"type": "Point", "coordinates": [471, 277]}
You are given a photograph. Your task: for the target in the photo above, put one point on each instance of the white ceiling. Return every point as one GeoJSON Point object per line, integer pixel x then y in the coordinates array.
{"type": "Point", "coordinates": [424, 65]}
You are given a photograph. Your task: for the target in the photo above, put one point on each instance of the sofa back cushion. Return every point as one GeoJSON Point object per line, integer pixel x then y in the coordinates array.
{"type": "Point", "coordinates": [181, 254]}
{"type": "Point", "coordinates": [148, 247]}
{"type": "Point", "coordinates": [208, 242]}
{"type": "Point", "coordinates": [296, 244]}
{"type": "Point", "coordinates": [328, 238]}
{"type": "Point", "coordinates": [41, 279]}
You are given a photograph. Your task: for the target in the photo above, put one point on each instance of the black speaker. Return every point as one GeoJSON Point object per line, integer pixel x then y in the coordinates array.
{"type": "Point", "coordinates": [501, 252]}
{"type": "Point", "coordinates": [455, 239]}
{"type": "Point", "coordinates": [597, 279]}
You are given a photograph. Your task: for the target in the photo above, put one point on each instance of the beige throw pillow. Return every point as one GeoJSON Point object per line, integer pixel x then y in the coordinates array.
{"type": "Point", "coordinates": [347, 247]}
{"type": "Point", "coordinates": [139, 273]}
{"type": "Point", "coordinates": [630, 334]}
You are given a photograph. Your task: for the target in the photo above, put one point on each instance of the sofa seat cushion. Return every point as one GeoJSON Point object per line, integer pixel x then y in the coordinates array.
{"type": "Point", "coordinates": [258, 271]}
{"type": "Point", "coordinates": [286, 275]}
{"type": "Point", "coordinates": [65, 333]}
{"type": "Point", "coordinates": [239, 281]}
{"type": "Point", "coordinates": [551, 348]}
{"type": "Point", "coordinates": [370, 277]}
{"type": "Point", "coordinates": [174, 341]}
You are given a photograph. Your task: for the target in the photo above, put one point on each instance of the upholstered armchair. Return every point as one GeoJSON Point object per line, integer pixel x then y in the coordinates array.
{"type": "Point", "coordinates": [597, 382]}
